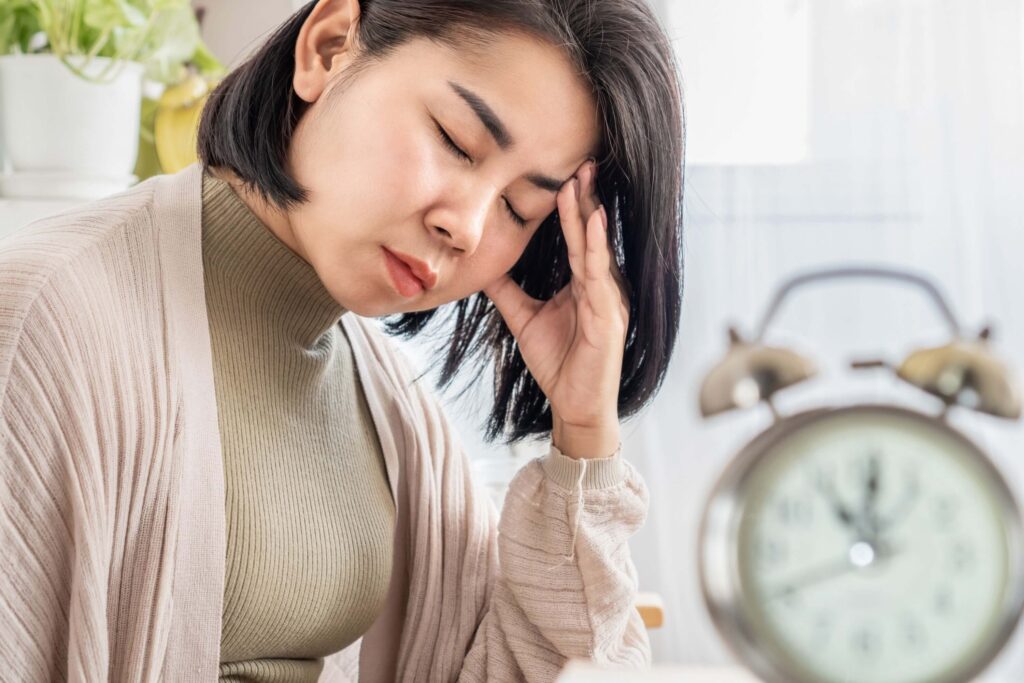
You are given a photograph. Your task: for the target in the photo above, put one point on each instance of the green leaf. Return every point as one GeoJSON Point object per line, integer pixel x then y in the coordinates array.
{"type": "Point", "coordinates": [102, 14]}
{"type": "Point", "coordinates": [19, 21]}
{"type": "Point", "coordinates": [161, 34]}
{"type": "Point", "coordinates": [171, 42]}
{"type": "Point", "coordinates": [206, 63]}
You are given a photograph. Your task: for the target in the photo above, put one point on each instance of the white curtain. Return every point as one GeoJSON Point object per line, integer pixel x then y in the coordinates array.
{"type": "Point", "coordinates": [886, 132]}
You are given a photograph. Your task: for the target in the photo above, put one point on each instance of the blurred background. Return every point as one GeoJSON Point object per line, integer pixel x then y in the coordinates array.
{"type": "Point", "coordinates": [819, 133]}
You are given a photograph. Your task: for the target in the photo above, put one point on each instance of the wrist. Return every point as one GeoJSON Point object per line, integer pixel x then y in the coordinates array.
{"type": "Point", "coordinates": [586, 441]}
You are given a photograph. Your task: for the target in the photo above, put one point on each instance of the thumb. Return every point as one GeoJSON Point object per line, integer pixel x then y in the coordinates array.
{"type": "Point", "coordinates": [516, 306]}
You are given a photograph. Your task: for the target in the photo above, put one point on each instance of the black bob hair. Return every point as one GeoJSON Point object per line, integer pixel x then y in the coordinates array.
{"type": "Point", "coordinates": [621, 50]}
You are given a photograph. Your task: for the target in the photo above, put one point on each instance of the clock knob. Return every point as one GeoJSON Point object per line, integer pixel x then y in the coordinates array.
{"type": "Point", "coordinates": [750, 373]}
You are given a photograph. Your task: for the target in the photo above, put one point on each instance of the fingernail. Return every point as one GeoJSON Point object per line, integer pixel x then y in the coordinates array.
{"type": "Point", "coordinates": [604, 216]}
{"type": "Point", "coordinates": [576, 188]}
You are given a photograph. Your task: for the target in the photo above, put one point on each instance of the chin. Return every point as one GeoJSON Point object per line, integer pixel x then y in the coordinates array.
{"type": "Point", "coordinates": [368, 311]}
{"type": "Point", "coordinates": [381, 310]}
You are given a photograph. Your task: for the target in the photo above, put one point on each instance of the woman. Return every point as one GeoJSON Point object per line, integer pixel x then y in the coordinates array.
{"type": "Point", "coordinates": [212, 464]}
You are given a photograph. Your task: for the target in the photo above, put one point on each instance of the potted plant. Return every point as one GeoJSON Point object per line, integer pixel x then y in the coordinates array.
{"type": "Point", "coordinates": [71, 85]}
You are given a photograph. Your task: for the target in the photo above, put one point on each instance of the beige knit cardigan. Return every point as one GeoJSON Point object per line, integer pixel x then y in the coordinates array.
{"type": "Point", "coordinates": [112, 538]}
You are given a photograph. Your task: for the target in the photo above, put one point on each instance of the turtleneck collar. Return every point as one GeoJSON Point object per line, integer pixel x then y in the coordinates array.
{"type": "Point", "coordinates": [268, 278]}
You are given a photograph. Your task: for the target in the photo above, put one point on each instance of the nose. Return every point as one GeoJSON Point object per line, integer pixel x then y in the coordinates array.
{"type": "Point", "coordinates": [459, 219]}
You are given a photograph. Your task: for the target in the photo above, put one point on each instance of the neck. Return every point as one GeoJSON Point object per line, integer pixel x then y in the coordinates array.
{"type": "Point", "coordinates": [256, 277]}
{"type": "Point", "coordinates": [275, 218]}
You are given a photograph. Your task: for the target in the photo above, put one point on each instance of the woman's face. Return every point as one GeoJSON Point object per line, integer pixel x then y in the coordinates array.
{"type": "Point", "coordinates": [381, 177]}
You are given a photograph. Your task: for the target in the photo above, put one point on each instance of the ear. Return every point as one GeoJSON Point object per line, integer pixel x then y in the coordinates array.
{"type": "Point", "coordinates": [324, 46]}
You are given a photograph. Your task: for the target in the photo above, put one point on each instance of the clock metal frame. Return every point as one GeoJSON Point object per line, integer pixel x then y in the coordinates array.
{"type": "Point", "coordinates": [718, 548]}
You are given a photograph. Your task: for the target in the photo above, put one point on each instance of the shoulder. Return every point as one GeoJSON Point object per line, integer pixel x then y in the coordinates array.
{"type": "Point", "coordinates": [36, 253]}
{"type": "Point", "coordinates": [119, 232]}
{"type": "Point", "coordinates": [76, 268]}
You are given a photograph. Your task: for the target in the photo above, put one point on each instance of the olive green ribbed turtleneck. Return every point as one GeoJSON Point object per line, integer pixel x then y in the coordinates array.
{"type": "Point", "coordinates": [309, 509]}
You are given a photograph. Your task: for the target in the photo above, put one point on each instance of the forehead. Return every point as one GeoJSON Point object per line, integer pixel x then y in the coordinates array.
{"type": "Point", "coordinates": [530, 85]}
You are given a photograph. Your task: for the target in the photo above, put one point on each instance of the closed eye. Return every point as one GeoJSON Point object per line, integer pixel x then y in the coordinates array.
{"type": "Point", "coordinates": [447, 141]}
{"type": "Point", "coordinates": [450, 144]}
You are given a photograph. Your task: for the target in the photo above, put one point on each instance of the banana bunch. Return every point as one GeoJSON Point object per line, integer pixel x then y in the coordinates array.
{"type": "Point", "coordinates": [177, 122]}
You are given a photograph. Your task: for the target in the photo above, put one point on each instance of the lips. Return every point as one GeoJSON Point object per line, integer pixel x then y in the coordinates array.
{"type": "Point", "coordinates": [403, 279]}
{"type": "Point", "coordinates": [421, 269]}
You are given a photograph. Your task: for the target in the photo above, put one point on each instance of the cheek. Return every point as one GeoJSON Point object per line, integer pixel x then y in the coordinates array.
{"type": "Point", "coordinates": [495, 257]}
{"type": "Point", "coordinates": [389, 168]}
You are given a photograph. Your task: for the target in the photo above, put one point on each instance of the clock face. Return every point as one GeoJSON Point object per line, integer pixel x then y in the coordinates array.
{"type": "Point", "coordinates": [872, 546]}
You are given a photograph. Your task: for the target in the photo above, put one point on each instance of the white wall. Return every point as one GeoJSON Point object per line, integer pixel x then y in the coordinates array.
{"type": "Point", "coordinates": [233, 27]}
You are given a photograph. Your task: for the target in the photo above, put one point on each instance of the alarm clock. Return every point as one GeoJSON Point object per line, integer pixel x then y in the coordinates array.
{"type": "Point", "coordinates": [865, 543]}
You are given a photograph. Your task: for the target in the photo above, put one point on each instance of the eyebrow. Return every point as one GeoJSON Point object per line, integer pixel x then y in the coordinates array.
{"type": "Point", "coordinates": [500, 133]}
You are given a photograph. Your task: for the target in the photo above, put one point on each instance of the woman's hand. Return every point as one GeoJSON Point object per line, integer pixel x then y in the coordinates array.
{"type": "Point", "coordinates": [573, 343]}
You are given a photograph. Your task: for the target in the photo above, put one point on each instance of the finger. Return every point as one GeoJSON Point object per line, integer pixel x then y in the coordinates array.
{"type": "Point", "coordinates": [603, 293]}
{"type": "Point", "coordinates": [516, 306]}
{"type": "Point", "coordinates": [589, 201]}
{"type": "Point", "coordinates": [625, 289]}
{"type": "Point", "coordinates": [572, 227]}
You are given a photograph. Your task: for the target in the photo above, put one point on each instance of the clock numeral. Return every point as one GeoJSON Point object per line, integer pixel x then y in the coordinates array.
{"type": "Point", "coordinates": [866, 643]}
{"type": "Point", "coordinates": [823, 476]}
{"type": "Point", "coordinates": [961, 556]}
{"type": "Point", "coordinates": [794, 511]}
{"type": "Point", "coordinates": [791, 600]}
{"type": "Point", "coordinates": [914, 635]}
{"type": "Point", "coordinates": [942, 600]}
{"type": "Point", "coordinates": [824, 624]}
{"type": "Point", "coordinates": [769, 552]}
{"type": "Point", "coordinates": [944, 511]}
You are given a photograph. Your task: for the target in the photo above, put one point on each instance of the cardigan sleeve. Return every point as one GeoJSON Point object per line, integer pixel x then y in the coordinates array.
{"type": "Point", "coordinates": [49, 617]}
{"type": "Point", "coordinates": [565, 586]}
{"type": "Point", "coordinates": [85, 532]}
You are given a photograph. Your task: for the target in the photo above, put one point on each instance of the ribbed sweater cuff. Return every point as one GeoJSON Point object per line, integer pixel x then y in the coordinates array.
{"type": "Point", "coordinates": [600, 472]}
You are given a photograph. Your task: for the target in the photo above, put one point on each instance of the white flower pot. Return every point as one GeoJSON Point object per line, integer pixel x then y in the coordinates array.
{"type": "Point", "coordinates": [62, 135]}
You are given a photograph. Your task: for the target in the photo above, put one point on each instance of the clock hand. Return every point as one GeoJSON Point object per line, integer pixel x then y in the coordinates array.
{"type": "Point", "coordinates": [872, 482]}
{"type": "Point", "coordinates": [839, 508]}
{"type": "Point", "coordinates": [861, 555]}
{"type": "Point", "coordinates": [813, 576]}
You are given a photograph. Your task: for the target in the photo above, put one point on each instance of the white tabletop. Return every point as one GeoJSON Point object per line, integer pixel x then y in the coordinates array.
{"type": "Point", "coordinates": [577, 671]}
